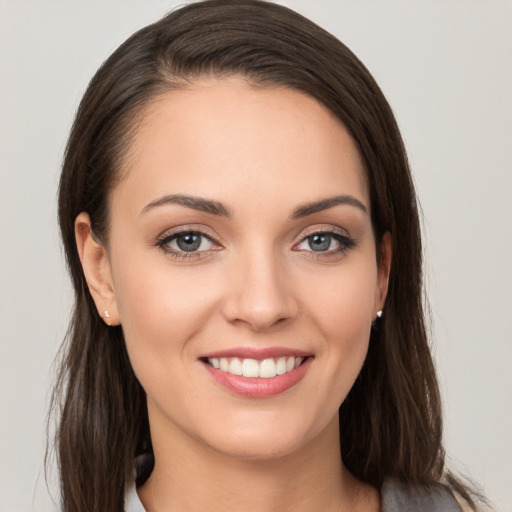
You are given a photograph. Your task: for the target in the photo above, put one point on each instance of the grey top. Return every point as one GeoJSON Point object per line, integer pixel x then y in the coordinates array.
{"type": "Point", "coordinates": [396, 497]}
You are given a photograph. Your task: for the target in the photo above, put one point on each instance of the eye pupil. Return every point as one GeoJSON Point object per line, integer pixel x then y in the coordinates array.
{"type": "Point", "coordinates": [319, 242]}
{"type": "Point", "coordinates": [189, 241]}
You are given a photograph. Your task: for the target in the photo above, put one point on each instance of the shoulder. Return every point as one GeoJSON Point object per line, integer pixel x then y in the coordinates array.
{"type": "Point", "coordinates": [398, 497]}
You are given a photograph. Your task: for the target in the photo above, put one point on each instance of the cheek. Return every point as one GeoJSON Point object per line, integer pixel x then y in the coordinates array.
{"type": "Point", "coordinates": [343, 314]}
{"type": "Point", "coordinates": [343, 300]}
{"type": "Point", "coordinates": [161, 309]}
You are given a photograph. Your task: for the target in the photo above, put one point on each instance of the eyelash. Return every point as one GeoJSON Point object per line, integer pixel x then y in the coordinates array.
{"type": "Point", "coordinates": [163, 244]}
{"type": "Point", "coordinates": [345, 241]}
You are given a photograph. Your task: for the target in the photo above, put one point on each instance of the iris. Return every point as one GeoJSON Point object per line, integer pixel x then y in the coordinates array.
{"type": "Point", "coordinates": [319, 242]}
{"type": "Point", "coordinates": [189, 241]}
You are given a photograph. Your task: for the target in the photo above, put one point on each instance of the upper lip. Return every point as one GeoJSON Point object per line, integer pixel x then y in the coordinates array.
{"type": "Point", "coordinates": [256, 353]}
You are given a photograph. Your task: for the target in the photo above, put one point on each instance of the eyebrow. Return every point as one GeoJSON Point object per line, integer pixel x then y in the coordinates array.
{"type": "Point", "coordinates": [325, 204]}
{"type": "Point", "coordinates": [196, 203]}
{"type": "Point", "coordinates": [216, 208]}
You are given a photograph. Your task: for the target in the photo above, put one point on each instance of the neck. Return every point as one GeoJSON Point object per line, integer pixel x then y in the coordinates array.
{"type": "Point", "coordinates": [189, 476]}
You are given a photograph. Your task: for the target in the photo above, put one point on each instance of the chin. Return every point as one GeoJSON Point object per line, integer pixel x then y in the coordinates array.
{"type": "Point", "coordinates": [277, 441]}
{"type": "Point", "coordinates": [258, 449]}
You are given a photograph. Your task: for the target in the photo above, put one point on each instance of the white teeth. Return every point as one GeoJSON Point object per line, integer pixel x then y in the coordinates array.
{"type": "Point", "coordinates": [235, 366]}
{"type": "Point", "coordinates": [281, 366]}
{"type": "Point", "coordinates": [250, 368]}
{"type": "Point", "coordinates": [265, 369]}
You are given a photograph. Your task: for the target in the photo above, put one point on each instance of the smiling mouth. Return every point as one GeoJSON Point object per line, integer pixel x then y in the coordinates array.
{"type": "Point", "coordinates": [264, 369]}
{"type": "Point", "coordinates": [257, 373]}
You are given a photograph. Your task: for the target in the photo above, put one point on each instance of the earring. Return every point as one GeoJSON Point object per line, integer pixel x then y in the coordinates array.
{"type": "Point", "coordinates": [377, 316]}
{"type": "Point", "coordinates": [107, 317]}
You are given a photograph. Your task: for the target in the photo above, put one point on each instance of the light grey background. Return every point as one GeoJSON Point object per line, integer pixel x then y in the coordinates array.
{"type": "Point", "coordinates": [446, 69]}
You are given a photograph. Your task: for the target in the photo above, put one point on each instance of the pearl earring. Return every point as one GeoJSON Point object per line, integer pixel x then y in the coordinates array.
{"type": "Point", "coordinates": [106, 314]}
{"type": "Point", "coordinates": [379, 314]}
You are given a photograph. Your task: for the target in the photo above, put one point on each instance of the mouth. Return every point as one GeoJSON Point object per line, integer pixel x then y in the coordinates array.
{"type": "Point", "coordinates": [258, 373]}
{"type": "Point", "coordinates": [248, 367]}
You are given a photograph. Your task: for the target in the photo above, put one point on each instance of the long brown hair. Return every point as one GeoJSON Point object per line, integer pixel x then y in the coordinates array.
{"type": "Point", "coordinates": [390, 423]}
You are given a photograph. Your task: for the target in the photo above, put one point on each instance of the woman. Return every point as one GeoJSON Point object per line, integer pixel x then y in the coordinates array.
{"type": "Point", "coordinates": [242, 233]}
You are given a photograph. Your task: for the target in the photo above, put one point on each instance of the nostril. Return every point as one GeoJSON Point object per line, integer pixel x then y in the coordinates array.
{"type": "Point", "coordinates": [260, 301]}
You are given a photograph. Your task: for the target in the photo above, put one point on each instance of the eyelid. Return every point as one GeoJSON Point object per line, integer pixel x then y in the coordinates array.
{"type": "Point", "coordinates": [341, 235]}
{"type": "Point", "coordinates": [189, 228]}
{"type": "Point", "coordinates": [166, 236]}
{"type": "Point", "coordinates": [322, 228]}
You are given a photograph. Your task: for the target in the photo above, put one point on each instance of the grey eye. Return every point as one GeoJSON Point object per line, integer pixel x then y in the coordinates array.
{"type": "Point", "coordinates": [319, 242]}
{"type": "Point", "coordinates": [189, 242]}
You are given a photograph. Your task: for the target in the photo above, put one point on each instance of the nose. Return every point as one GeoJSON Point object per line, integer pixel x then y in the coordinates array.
{"type": "Point", "coordinates": [260, 295]}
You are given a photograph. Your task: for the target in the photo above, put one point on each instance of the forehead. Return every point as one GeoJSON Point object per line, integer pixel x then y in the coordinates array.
{"type": "Point", "coordinates": [226, 139]}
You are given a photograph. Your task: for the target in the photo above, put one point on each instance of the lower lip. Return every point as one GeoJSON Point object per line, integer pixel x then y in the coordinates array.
{"type": "Point", "coordinates": [255, 387]}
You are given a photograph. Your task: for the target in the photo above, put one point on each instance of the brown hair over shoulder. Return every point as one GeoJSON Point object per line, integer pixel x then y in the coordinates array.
{"type": "Point", "coordinates": [390, 423]}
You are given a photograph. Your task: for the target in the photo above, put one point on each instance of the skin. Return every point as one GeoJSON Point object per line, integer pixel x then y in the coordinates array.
{"type": "Point", "coordinates": [262, 153]}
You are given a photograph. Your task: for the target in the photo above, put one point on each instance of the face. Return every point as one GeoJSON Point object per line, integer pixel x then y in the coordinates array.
{"type": "Point", "coordinates": [243, 266]}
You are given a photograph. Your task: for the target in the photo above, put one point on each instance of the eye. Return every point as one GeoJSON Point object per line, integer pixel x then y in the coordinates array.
{"type": "Point", "coordinates": [186, 243]}
{"type": "Point", "coordinates": [190, 242]}
{"type": "Point", "coordinates": [325, 242]}
{"type": "Point", "coordinates": [319, 242]}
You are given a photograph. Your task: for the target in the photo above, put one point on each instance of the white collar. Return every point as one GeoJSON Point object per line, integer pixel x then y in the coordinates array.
{"type": "Point", "coordinates": [132, 501]}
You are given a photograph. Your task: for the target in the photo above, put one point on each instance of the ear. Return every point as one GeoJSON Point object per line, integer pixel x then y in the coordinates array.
{"type": "Point", "coordinates": [96, 267]}
{"type": "Point", "coordinates": [384, 254]}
